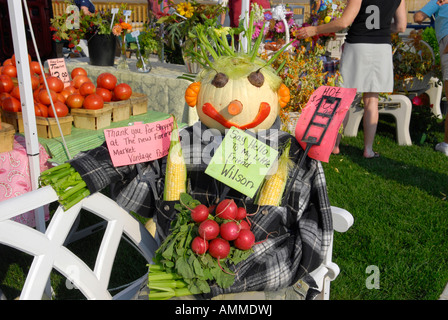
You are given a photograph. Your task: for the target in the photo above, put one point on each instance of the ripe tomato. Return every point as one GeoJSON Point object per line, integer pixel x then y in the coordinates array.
{"type": "Point", "coordinates": [105, 94]}
{"type": "Point", "coordinates": [41, 77]}
{"type": "Point", "coordinates": [93, 102]}
{"type": "Point", "coordinates": [70, 89]}
{"type": "Point", "coordinates": [3, 96]}
{"type": "Point", "coordinates": [11, 104]}
{"type": "Point", "coordinates": [44, 98]}
{"type": "Point", "coordinates": [55, 84]}
{"type": "Point", "coordinates": [35, 67]}
{"type": "Point", "coordinates": [13, 59]}
{"type": "Point", "coordinates": [10, 71]}
{"type": "Point", "coordinates": [40, 110]}
{"type": "Point", "coordinates": [15, 92]}
{"type": "Point", "coordinates": [106, 80]}
{"type": "Point", "coordinates": [74, 101]}
{"type": "Point", "coordinates": [87, 88]}
{"type": "Point", "coordinates": [61, 109]}
{"type": "Point", "coordinates": [6, 84]}
{"type": "Point", "coordinates": [7, 62]}
{"type": "Point", "coordinates": [65, 93]}
{"type": "Point", "coordinates": [79, 80]}
{"type": "Point", "coordinates": [123, 91]}
{"type": "Point", "coordinates": [78, 71]}
{"type": "Point", "coordinates": [35, 82]}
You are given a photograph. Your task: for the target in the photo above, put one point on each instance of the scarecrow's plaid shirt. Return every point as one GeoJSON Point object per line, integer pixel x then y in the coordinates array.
{"type": "Point", "coordinates": [294, 238]}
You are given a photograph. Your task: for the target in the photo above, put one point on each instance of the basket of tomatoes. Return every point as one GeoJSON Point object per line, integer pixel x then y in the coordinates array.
{"type": "Point", "coordinates": [47, 103]}
{"type": "Point", "coordinates": [95, 106]}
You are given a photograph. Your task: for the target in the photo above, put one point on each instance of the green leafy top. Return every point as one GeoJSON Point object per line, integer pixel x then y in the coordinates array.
{"type": "Point", "coordinates": [216, 52]}
{"type": "Point", "coordinates": [175, 254]}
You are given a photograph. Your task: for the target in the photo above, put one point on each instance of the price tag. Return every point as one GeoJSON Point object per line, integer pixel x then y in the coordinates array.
{"type": "Point", "coordinates": [114, 10]}
{"type": "Point", "coordinates": [58, 69]}
{"type": "Point", "coordinates": [140, 142]}
{"type": "Point", "coordinates": [334, 6]}
{"type": "Point", "coordinates": [241, 162]}
{"type": "Point", "coordinates": [135, 33]}
{"type": "Point", "coordinates": [127, 14]}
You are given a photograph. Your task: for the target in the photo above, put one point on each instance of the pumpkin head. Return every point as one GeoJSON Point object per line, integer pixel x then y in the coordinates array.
{"type": "Point", "coordinates": [237, 92]}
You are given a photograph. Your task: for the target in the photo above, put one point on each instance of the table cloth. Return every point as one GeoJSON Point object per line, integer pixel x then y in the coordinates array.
{"type": "Point", "coordinates": [15, 176]}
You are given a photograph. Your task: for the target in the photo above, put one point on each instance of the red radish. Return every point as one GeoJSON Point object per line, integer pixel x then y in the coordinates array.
{"type": "Point", "coordinates": [229, 230]}
{"type": "Point", "coordinates": [244, 225]}
{"type": "Point", "coordinates": [219, 248]}
{"type": "Point", "coordinates": [199, 245]}
{"type": "Point", "coordinates": [226, 209]}
{"type": "Point", "coordinates": [209, 229]}
{"type": "Point", "coordinates": [245, 240]}
{"type": "Point", "coordinates": [241, 213]}
{"type": "Point", "coordinates": [199, 213]}
{"type": "Point", "coordinates": [211, 208]}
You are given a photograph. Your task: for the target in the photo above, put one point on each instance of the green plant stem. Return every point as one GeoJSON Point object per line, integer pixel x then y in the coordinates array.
{"type": "Point", "coordinates": [73, 190]}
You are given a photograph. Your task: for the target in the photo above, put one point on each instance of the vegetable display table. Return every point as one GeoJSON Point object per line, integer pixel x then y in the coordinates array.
{"type": "Point", "coordinates": [164, 90]}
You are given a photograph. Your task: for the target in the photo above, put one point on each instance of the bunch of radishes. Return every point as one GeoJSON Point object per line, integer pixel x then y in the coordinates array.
{"type": "Point", "coordinates": [216, 238]}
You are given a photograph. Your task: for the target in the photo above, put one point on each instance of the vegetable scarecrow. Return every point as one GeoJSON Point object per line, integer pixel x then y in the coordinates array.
{"type": "Point", "coordinates": [292, 230]}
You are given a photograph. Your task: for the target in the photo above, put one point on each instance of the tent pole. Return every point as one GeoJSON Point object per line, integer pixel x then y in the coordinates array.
{"type": "Point", "coordinates": [27, 102]}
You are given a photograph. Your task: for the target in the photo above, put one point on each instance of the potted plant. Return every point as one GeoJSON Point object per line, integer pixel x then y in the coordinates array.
{"type": "Point", "coordinates": [413, 63]}
{"type": "Point", "coordinates": [73, 26]}
{"type": "Point", "coordinates": [303, 72]}
{"type": "Point", "coordinates": [184, 18]}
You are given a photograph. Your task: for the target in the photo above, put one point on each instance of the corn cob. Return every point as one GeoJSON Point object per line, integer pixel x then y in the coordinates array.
{"type": "Point", "coordinates": [273, 187]}
{"type": "Point", "coordinates": [176, 171]}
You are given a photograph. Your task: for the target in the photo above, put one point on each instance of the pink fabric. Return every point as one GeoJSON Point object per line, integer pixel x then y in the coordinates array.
{"type": "Point", "coordinates": [15, 177]}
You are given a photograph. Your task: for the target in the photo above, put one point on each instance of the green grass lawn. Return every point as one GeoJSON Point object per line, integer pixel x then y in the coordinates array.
{"type": "Point", "coordinates": [400, 208]}
{"type": "Point", "coordinates": [401, 218]}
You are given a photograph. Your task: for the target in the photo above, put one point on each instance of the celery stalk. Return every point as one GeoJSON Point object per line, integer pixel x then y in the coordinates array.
{"type": "Point", "coordinates": [162, 276]}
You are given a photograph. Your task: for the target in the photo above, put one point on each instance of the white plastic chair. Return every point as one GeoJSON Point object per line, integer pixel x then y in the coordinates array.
{"type": "Point", "coordinates": [49, 251]}
{"type": "Point", "coordinates": [328, 270]}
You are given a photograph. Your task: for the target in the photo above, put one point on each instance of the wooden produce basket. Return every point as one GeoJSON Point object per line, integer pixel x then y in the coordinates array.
{"type": "Point", "coordinates": [121, 110]}
{"type": "Point", "coordinates": [48, 127]}
{"type": "Point", "coordinates": [139, 103]}
{"type": "Point", "coordinates": [7, 132]}
{"type": "Point", "coordinates": [14, 119]}
{"type": "Point", "coordinates": [92, 119]}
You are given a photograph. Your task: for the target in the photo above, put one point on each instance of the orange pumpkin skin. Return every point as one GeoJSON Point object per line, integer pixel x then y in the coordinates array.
{"type": "Point", "coordinates": [250, 96]}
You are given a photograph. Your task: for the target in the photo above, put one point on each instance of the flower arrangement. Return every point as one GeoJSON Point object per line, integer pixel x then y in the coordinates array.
{"type": "Point", "coordinates": [413, 60]}
{"type": "Point", "coordinates": [186, 16]}
{"type": "Point", "coordinates": [303, 72]}
{"type": "Point", "coordinates": [75, 25]}
{"type": "Point", "coordinates": [120, 29]}
{"type": "Point", "coordinates": [274, 30]}
{"type": "Point", "coordinates": [324, 12]}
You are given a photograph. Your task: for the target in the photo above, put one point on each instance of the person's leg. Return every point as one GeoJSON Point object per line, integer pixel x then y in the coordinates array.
{"type": "Point", "coordinates": [443, 146]}
{"type": "Point", "coordinates": [370, 122]}
{"type": "Point", "coordinates": [336, 149]}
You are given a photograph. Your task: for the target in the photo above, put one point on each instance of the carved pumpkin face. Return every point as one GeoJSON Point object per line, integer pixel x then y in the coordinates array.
{"type": "Point", "coordinates": [237, 93]}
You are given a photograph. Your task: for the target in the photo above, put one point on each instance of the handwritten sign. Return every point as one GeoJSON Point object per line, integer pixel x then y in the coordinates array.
{"type": "Point", "coordinates": [241, 162]}
{"type": "Point", "coordinates": [322, 151]}
{"type": "Point", "coordinates": [57, 68]}
{"type": "Point", "coordinates": [139, 142]}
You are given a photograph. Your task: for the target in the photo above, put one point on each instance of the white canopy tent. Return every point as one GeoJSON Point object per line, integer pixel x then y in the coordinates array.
{"type": "Point", "coordinates": [26, 95]}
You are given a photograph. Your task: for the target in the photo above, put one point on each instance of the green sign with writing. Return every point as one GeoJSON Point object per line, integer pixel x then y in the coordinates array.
{"type": "Point", "coordinates": [241, 162]}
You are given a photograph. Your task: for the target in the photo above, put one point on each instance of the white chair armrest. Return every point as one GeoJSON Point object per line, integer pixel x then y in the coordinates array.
{"type": "Point", "coordinates": [342, 219]}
